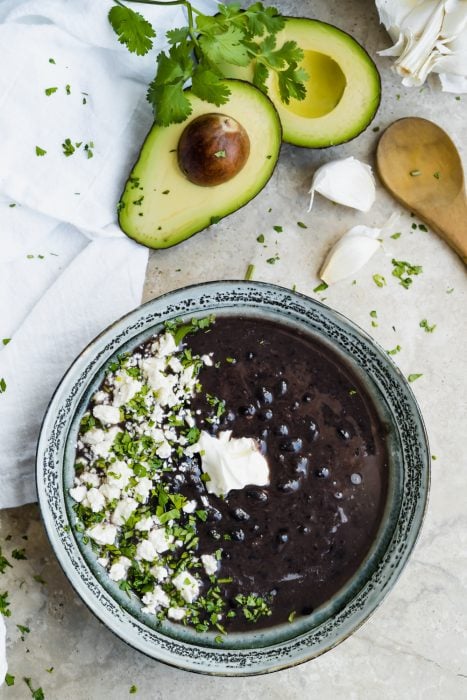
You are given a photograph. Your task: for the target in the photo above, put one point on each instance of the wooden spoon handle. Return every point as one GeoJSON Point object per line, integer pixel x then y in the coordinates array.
{"type": "Point", "coordinates": [450, 222]}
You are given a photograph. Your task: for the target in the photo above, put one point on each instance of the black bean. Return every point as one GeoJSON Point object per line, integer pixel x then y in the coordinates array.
{"type": "Point", "coordinates": [291, 485]}
{"type": "Point", "coordinates": [302, 465]}
{"type": "Point", "coordinates": [282, 537]}
{"type": "Point", "coordinates": [238, 535]}
{"type": "Point", "coordinates": [240, 514]}
{"type": "Point", "coordinates": [291, 445]}
{"type": "Point", "coordinates": [307, 398]}
{"type": "Point", "coordinates": [304, 530]}
{"type": "Point", "coordinates": [264, 395]}
{"type": "Point", "coordinates": [281, 387]}
{"type": "Point", "coordinates": [295, 405]}
{"type": "Point", "coordinates": [343, 433]}
{"type": "Point", "coordinates": [250, 355]}
{"type": "Point", "coordinates": [247, 411]}
{"type": "Point", "coordinates": [214, 515]}
{"type": "Point", "coordinates": [265, 415]}
{"type": "Point", "coordinates": [322, 473]}
{"type": "Point", "coordinates": [281, 430]}
{"type": "Point", "coordinates": [313, 428]}
{"type": "Point", "coordinates": [258, 495]}
{"type": "Point", "coordinates": [214, 534]}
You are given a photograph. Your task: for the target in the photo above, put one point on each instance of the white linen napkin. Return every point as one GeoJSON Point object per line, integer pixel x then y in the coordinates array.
{"type": "Point", "coordinates": [66, 270]}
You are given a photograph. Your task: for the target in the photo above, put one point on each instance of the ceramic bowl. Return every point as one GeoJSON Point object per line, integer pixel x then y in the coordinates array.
{"type": "Point", "coordinates": [277, 647]}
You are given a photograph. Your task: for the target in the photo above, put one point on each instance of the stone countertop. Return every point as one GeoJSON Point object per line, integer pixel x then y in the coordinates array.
{"type": "Point", "coordinates": [415, 644]}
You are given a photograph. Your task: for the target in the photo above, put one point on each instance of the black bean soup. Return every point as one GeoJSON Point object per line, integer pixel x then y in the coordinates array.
{"type": "Point", "coordinates": [298, 540]}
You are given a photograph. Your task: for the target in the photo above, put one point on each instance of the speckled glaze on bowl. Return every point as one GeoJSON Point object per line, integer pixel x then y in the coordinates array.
{"type": "Point", "coordinates": [277, 647]}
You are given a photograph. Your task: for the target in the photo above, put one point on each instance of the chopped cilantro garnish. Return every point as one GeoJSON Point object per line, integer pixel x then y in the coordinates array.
{"type": "Point", "coordinates": [273, 260]}
{"type": "Point", "coordinates": [278, 229]}
{"type": "Point", "coordinates": [426, 326]}
{"type": "Point", "coordinates": [40, 151]}
{"type": "Point", "coordinates": [321, 287]}
{"type": "Point", "coordinates": [37, 694]}
{"type": "Point", "coordinates": [4, 604]}
{"type": "Point", "coordinates": [133, 689]}
{"type": "Point", "coordinates": [52, 60]}
{"type": "Point", "coordinates": [396, 235]}
{"type": "Point", "coordinates": [260, 238]}
{"type": "Point", "coordinates": [423, 228]}
{"type": "Point", "coordinates": [437, 175]}
{"type": "Point", "coordinates": [9, 680]}
{"type": "Point", "coordinates": [404, 271]}
{"type": "Point", "coordinates": [5, 341]}
{"type": "Point", "coordinates": [220, 154]}
{"type": "Point", "coordinates": [50, 91]}
{"type": "Point", "coordinates": [379, 280]}
{"type": "Point", "coordinates": [249, 271]}
{"type": "Point", "coordinates": [68, 148]}
{"type": "Point", "coordinates": [301, 224]}
{"type": "Point", "coordinates": [394, 351]}
{"type": "Point", "coordinates": [19, 554]}
{"type": "Point", "coordinates": [414, 377]}
{"type": "Point", "coordinates": [2, 385]}
{"type": "Point", "coordinates": [292, 616]}
{"type": "Point", "coordinates": [373, 314]}
{"type": "Point", "coordinates": [215, 220]}
{"type": "Point", "coordinates": [3, 562]}
{"type": "Point", "coordinates": [68, 89]}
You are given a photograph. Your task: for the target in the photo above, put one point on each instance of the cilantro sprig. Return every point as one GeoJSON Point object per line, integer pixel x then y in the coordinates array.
{"type": "Point", "coordinates": [198, 51]}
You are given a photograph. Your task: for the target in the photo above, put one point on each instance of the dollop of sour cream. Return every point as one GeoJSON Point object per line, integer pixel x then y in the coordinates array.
{"type": "Point", "coordinates": [231, 463]}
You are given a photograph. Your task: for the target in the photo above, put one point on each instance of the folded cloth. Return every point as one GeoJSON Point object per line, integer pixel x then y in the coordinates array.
{"type": "Point", "coordinates": [66, 270]}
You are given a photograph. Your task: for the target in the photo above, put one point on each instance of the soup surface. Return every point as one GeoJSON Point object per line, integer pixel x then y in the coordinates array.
{"type": "Point", "coordinates": [257, 556]}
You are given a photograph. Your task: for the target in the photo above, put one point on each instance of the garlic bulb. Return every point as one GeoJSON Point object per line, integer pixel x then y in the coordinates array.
{"type": "Point", "coordinates": [353, 250]}
{"type": "Point", "coordinates": [429, 36]}
{"type": "Point", "coordinates": [346, 181]}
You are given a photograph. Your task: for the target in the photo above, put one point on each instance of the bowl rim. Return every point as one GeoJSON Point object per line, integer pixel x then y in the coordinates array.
{"type": "Point", "coordinates": [241, 662]}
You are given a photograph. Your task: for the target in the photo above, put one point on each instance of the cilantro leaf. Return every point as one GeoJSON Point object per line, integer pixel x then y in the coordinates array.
{"type": "Point", "coordinates": [260, 75]}
{"type": "Point", "coordinates": [165, 93]}
{"type": "Point", "coordinates": [291, 83]}
{"type": "Point", "coordinates": [209, 87]}
{"type": "Point", "coordinates": [226, 47]}
{"type": "Point", "coordinates": [135, 32]}
{"type": "Point", "coordinates": [177, 36]}
{"type": "Point", "coordinates": [261, 19]}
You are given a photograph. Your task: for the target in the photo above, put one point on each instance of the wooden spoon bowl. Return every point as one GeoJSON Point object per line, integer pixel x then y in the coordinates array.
{"type": "Point", "coordinates": [421, 167]}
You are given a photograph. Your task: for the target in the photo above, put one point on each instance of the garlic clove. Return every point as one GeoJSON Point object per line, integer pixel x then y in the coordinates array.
{"type": "Point", "coordinates": [353, 250]}
{"type": "Point", "coordinates": [347, 181]}
{"type": "Point", "coordinates": [350, 253]}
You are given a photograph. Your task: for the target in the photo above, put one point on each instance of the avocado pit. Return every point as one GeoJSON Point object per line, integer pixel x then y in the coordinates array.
{"type": "Point", "coordinates": [212, 149]}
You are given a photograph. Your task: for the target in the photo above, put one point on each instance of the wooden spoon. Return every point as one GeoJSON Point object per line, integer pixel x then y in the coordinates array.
{"type": "Point", "coordinates": [421, 167]}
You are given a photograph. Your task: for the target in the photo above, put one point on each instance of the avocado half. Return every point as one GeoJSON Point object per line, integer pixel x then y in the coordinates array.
{"type": "Point", "coordinates": [160, 207]}
{"type": "Point", "coordinates": [343, 87]}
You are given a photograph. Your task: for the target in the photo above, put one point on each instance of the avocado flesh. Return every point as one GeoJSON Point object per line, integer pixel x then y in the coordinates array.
{"type": "Point", "coordinates": [343, 87]}
{"type": "Point", "coordinates": [160, 207]}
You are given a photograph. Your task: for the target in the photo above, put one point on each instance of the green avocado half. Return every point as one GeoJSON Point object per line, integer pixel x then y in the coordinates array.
{"type": "Point", "coordinates": [160, 207]}
{"type": "Point", "coordinates": [343, 86]}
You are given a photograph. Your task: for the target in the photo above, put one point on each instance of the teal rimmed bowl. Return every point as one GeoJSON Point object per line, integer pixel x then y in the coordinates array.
{"type": "Point", "coordinates": [284, 645]}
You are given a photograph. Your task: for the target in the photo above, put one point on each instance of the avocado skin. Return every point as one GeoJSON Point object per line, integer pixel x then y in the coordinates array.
{"type": "Point", "coordinates": [304, 142]}
{"type": "Point", "coordinates": [167, 240]}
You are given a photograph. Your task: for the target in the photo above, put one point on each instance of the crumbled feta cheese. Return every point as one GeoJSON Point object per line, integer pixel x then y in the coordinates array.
{"type": "Point", "coordinates": [210, 563]}
{"type": "Point", "coordinates": [119, 569]}
{"type": "Point", "coordinates": [109, 491]}
{"type": "Point", "coordinates": [175, 365]}
{"type": "Point", "coordinates": [143, 487]}
{"type": "Point", "coordinates": [164, 451]}
{"type": "Point", "coordinates": [109, 415]}
{"type": "Point", "coordinates": [207, 360]}
{"type": "Point", "coordinates": [190, 506]}
{"type": "Point", "coordinates": [160, 540]}
{"type": "Point", "coordinates": [103, 561]}
{"type": "Point", "coordinates": [145, 550]}
{"type": "Point", "coordinates": [100, 397]}
{"type": "Point", "coordinates": [165, 345]}
{"type": "Point", "coordinates": [123, 511]}
{"type": "Point", "coordinates": [155, 599]}
{"type": "Point", "coordinates": [102, 533]}
{"type": "Point", "coordinates": [145, 524]}
{"type": "Point", "coordinates": [187, 585]}
{"type": "Point", "coordinates": [90, 479]}
{"type": "Point", "coordinates": [176, 613]}
{"type": "Point", "coordinates": [78, 493]}
{"type": "Point", "coordinates": [157, 414]}
{"type": "Point", "coordinates": [94, 500]}
{"type": "Point", "coordinates": [100, 441]}
{"type": "Point", "coordinates": [119, 474]}
{"type": "Point", "coordinates": [160, 573]}
{"type": "Point", "coordinates": [125, 388]}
